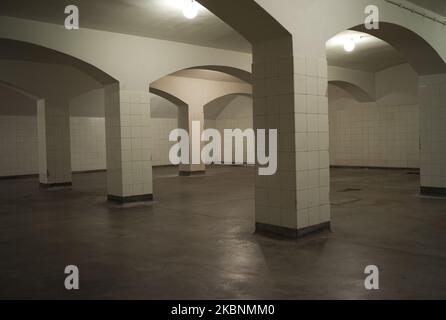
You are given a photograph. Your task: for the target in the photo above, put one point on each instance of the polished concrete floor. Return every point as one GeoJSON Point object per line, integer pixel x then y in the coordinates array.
{"type": "Point", "coordinates": [196, 241]}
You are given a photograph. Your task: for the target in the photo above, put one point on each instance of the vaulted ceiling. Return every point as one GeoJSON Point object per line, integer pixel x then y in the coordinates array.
{"type": "Point", "coordinates": [371, 54]}
{"type": "Point", "coordinates": [163, 19]}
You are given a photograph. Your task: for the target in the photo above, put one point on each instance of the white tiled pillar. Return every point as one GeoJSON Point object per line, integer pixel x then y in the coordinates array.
{"type": "Point", "coordinates": [129, 163]}
{"type": "Point", "coordinates": [290, 95]}
{"type": "Point", "coordinates": [186, 116]}
{"type": "Point", "coordinates": [312, 143]}
{"type": "Point", "coordinates": [53, 130]}
{"type": "Point", "coordinates": [432, 94]}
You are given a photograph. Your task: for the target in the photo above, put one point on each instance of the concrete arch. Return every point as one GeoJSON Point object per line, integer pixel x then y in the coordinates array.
{"type": "Point", "coordinates": [169, 97]}
{"type": "Point", "coordinates": [25, 51]}
{"type": "Point", "coordinates": [72, 76]}
{"type": "Point", "coordinates": [51, 81]}
{"type": "Point", "coordinates": [186, 88]}
{"type": "Point", "coordinates": [133, 73]}
{"type": "Point", "coordinates": [419, 53]}
{"type": "Point", "coordinates": [249, 95]}
{"type": "Point", "coordinates": [334, 17]}
{"type": "Point", "coordinates": [356, 91]}
{"type": "Point", "coordinates": [235, 72]}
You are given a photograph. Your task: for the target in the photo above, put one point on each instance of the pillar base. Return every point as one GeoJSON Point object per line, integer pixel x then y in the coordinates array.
{"type": "Point", "coordinates": [283, 232]}
{"type": "Point", "coordinates": [191, 173]}
{"type": "Point", "coordinates": [55, 185]}
{"type": "Point", "coordinates": [130, 199]}
{"type": "Point", "coordinates": [25, 176]}
{"type": "Point", "coordinates": [433, 191]}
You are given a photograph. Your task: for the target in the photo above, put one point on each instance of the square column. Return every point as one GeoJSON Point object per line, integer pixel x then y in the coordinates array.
{"type": "Point", "coordinates": [186, 115]}
{"type": "Point", "coordinates": [129, 160]}
{"type": "Point", "coordinates": [53, 130]}
{"type": "Point", "coordinates": [312, 144]}
{"type": "Point", "coordinates": [290, 94]}
{"type": "Point", "coordinates": [432, 94]}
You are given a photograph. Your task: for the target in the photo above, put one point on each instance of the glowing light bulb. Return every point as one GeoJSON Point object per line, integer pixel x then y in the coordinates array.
{"type": "Point", "coordinates": [349, 45]}
{"type": "Point", "coordinates": [190, 9]}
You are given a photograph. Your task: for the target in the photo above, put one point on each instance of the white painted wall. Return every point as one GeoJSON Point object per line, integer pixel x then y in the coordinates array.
{"type": "Point", "coordinates": [384, 133]}
{"type": "Point", "coordinates": [89, 104]}
{"type": "Point", "coordinates": [237, 113]}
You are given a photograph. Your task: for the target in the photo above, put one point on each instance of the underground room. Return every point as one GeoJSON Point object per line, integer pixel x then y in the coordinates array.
{"type": "Point", "coordinates": [254, 150]}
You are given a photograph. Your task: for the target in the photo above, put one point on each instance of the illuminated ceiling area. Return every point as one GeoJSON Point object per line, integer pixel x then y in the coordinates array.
{"type": "Point", "coordinates": [357, 50]}
{"type": "Point", "coordinates": [160, 19]}
{"type": "Point", "coordinates": [188, 22]}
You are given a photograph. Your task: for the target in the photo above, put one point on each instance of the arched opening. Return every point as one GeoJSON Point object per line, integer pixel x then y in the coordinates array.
{"type": "Point", "coordinates": [431, 71]}
{"type": "Point", "coordinates": [25, 51]}
{"type": "Point", "coordinates": [71, 108]}
{"type": "Point", "coordinates": [191, 92]}
{"type": "Point", "coordinates": [425, 60]}
{"type": "Point", "coordinates": [377, 145]}
{"type": "Point", "coordinates": [202, 94]}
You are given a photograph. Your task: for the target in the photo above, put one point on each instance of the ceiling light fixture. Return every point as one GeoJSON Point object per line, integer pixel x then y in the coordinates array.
{"type": "Point", "coordinates": [190, 9]}
{"type": "Point", "coordinates": [349, 44]}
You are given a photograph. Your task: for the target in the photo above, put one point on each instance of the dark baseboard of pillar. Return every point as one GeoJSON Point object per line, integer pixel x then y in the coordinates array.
{"type": "Point", "coordinates": [130, 199]}
{"type": "Point", "coordinates": [433, 191]}
{"type": "Point", "coordinates": [373, 168]}
{"type": "Point", "coordinates": [283, 232]}
{"type": "Point", "coordinates": [191, 173]}
{"type": "Point", "coordinates": [55, 185]}
{"type": "Point", "coordinates": [25, 176]}
{"type": "Point", "coordinates": [90, 171]}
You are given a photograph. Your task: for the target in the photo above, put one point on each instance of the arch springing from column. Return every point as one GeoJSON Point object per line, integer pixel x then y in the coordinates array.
{"type": "Point", "coordinates": [235, 72]}
{"type": "Point", "coordinates": [356, 91]}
